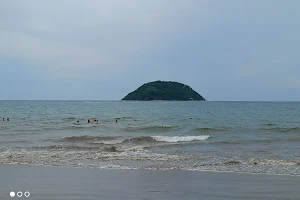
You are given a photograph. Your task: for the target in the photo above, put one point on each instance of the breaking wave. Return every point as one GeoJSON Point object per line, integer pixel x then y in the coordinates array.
{"type": "Point", "coordinates": [142, 139]}
{"type": "Point", "coordinates": [173, 139]}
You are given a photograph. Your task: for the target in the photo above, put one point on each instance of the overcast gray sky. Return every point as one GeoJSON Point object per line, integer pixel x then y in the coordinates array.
{"type": "Point", "coordinates": [102, 50]}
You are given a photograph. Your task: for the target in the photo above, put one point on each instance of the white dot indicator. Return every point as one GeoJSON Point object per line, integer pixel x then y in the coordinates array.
{"type": "Point", "coordinates": [19, 194]}
{"type": "Point", "coordinates": [12, 194]}
{"type": "Point", "coordinates": [26, 194]}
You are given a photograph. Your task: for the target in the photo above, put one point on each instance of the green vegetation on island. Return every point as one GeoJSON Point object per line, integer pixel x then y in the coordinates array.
{"type": "Point", "coordinates": [164, 90]}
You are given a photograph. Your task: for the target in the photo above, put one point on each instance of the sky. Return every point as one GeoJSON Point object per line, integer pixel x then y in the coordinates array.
{"type": "Point", "coordinates": [226, 50]}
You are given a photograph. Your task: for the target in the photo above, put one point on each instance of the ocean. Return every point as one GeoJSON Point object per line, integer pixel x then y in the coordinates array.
{"type": "Point", "coordinates": [247, 137]}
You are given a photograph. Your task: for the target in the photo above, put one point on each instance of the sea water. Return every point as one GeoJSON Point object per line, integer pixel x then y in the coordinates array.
{"type": "Point", "coordinates": [249, 137]}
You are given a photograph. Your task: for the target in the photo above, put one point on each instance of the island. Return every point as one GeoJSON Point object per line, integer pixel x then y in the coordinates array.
{"type": "Point", "coordinates": [164, 90]}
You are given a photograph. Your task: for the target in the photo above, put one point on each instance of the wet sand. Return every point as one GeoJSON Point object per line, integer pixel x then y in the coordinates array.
{"type": "Point", "coordinates": [48, 183]}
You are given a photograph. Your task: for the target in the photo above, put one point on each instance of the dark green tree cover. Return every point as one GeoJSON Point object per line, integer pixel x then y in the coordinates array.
{"type": "Point", "coordinates": [164, 90]}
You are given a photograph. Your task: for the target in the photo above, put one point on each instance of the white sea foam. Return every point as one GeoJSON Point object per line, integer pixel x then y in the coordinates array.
{"type": "Point", "coordinates": [274, 162]}
{"type": "Point", "coordinates": [173, 139]}
{"type": "Point", "coordinates": [108, 142]}
{"type": "Point", "coordinates": [136, 148]}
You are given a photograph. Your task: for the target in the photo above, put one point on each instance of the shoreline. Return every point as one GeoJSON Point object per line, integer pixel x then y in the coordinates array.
{"type": "Point", "coordinates": [151, 169]}
{"type": "Point", "coordinates": [45, 183]}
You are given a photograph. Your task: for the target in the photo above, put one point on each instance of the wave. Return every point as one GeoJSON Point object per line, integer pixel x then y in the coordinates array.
{"type": "Point", "coordinates": [135, 148]}
{"type": "Point", "coordinates": [114, 140]}
{"type": "Point", "coordinates": [109, 142]}
{"type": "Point", "coordinates": [174, 139]}
{"type": "Point", "coordinates": [273, 162]}
{"type": "Point", "coordinates": [68, 147]}
{"type": "Point", "coordinates": [73, 127]}
{"type": "Point", "coordinates": [255, 141]}
{"type": "Point", "coordinates": [167, 139]}
{"type": "Point", "coordinates": [86, 138]}
{"type": "Point", "coordinates": [93, 149]}
{"type": "Point", "coordinates": [204, 129]}
{"type": "Point", "coordinates": [245, 142]}
{"type": "Point", "coordinates": [159, 128]}
{"type": "Point", "coordinates": [140, 139]}
{"type": "Point", "coordinates": [283, 129]}
{"type": "Point", "coordinates": [105, 140]}
{"type": "Point", "coordinates": [134, 157]}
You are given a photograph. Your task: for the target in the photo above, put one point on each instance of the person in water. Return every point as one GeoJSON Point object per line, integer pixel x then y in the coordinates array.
{"type": "Point", "coordinates": [3, 119]}
{"type": "Point", "coordinates": [8, 119]}
{"type": "Point", "coordinates": [96, 121]}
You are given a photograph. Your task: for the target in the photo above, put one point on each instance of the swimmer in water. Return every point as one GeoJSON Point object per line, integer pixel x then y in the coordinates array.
{"type": "Point", "coordinates": [116, 121]}
{"type": "Point", "coordinates": [3, 119]}
{"type": "Point", "coordinates": [8, 119]}
{"type": "Point", "coordinates": [89, 121]}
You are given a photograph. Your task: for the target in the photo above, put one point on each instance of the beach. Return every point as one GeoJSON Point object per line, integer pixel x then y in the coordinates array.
{"type": "Point", "coordinates": [150, 100]}
{"type": "Point", "coordinates": [48, 183]}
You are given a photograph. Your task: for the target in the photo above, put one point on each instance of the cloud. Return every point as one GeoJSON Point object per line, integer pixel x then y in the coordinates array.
{"type": "Point", "coordinates": [102, 36]}
{"type": "Point", "coordinates": [199, 42]}
{"type": "Point", "coordinates": [80, 35]}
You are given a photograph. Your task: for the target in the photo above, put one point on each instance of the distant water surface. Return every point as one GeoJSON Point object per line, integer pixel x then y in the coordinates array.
{"type": "Point", "coordinates": [250, 137]}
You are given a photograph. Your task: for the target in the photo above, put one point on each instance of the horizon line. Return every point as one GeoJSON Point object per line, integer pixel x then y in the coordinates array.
{"type": "Point", "coordinates": [148, 101]}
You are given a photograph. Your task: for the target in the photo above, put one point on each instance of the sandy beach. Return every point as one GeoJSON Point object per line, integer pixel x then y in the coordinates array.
{"type": "Point", "coordinates": [48, 183]}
